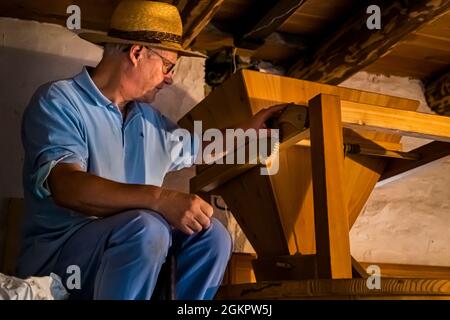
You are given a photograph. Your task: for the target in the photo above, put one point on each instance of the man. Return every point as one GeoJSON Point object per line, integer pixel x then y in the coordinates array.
{"type": "Point", "coordinates": [96, 154]}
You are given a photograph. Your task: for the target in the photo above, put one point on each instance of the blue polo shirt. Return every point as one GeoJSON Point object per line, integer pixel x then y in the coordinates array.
{"type": "Point", "coordinates": [71, 121]}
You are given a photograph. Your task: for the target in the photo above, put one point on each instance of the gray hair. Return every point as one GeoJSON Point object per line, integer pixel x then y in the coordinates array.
{"type": "Point", "coordinates": [114, 48]}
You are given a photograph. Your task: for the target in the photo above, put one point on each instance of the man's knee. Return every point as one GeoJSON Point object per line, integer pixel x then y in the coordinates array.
{"type": "Point", "coordinates": [219, 239]}
{"type": "Point", "coordinates": [145, 229]}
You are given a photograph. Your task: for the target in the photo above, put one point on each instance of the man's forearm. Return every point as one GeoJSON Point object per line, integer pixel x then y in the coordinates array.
{"type": "Point", "coordinates": [93, 195]}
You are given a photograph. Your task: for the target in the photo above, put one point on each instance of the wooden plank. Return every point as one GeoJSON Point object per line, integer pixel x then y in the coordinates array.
{"type": "Point", "coordinates": [239, 269]}
{"type": "Point", "coordinates": [429, 152]}
{"type": "Point", "coordinates": [361, 174]}
{"type": "Point", "coordinates": [241, 264]}
{"type": "Point", "coordinates": [395, 270]}
{"type": "Point", "coordinates": [373, 150]}
{"type": "Point", "coordinates": [358, 271]}
{"type": "Point", "coordinates": [330, 209]}
{"type": "Point", "coordinates": [250, 198]}
{"type": "Point", "coordinates": [293, 193]}
{"type": "Point", "coordinates": [403, 122]}
{"type": "Point", "coordinates": [423, 54]}
{"type": "Point", "coordinates": [338, 289]}
{"type": "Point", "coordinates": [353, 47]}
{"type": "Point", "coordinates": [294, 267]}
{"type": "Point", "coordinates": [437, 93]}
{"type": "Point", "coordinates": [218, 174]}
{"type": "Point", "coordinates": [196, 15]}
{"type": "Point", "coordinates": [383, 145]}
{"type": "Point", "coordinates": [268, 23]}
{"type": "Point", "coordinates": [277, 46]}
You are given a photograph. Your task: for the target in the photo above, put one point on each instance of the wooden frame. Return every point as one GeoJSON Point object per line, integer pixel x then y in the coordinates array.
{"type": "Point", "coordinates": [297, 226]}
{"type": "Point", "coordinates": [330, 210]}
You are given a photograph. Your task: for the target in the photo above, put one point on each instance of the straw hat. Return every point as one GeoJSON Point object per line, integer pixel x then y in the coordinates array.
{"type": "Point", "coordinates": [150, 23]}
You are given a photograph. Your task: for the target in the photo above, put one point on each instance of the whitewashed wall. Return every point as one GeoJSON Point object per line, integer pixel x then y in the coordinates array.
{"type": "Point", "coordinates": [406, 220]}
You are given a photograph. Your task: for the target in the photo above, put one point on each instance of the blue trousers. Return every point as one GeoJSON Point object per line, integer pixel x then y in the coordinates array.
{"type": "Point", "coordinates": [120, 257]}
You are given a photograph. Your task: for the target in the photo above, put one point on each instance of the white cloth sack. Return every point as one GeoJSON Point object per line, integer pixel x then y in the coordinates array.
{"type": "Point", "coordinates": [33, 288]}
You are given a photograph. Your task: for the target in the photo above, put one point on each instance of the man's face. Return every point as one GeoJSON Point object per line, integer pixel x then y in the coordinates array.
{"type": "Point", "coordinates": [151, 73]}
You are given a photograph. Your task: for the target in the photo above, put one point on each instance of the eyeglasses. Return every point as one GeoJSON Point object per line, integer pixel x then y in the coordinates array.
{"type": "Point", "coordinates": [167, 66]}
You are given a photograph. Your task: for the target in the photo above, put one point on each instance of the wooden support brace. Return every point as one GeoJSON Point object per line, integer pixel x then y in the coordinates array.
{"type": "Point", "coordinates": [428, 153]}
{"type": "Point", "coordinates": [404, 122]}
{"type": "Point", "coordinates": [330, 209]}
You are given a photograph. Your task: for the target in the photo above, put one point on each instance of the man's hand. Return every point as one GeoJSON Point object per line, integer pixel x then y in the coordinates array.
{"type": "Point", "coordinates": [258, 121]}
{"type": "Point", "coordinates": [186, 212]}
{"type": "Point", "coordinates": [75, 189]}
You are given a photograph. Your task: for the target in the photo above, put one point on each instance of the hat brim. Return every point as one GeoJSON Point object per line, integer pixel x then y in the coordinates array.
{"type": "Point", "coordinates": [101, 39]}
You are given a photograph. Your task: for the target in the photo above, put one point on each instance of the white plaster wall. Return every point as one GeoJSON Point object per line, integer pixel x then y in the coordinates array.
{"type": "Point", "coordinates": [406, 220]}
{"type": "Point", "coordinates": [33, 53]}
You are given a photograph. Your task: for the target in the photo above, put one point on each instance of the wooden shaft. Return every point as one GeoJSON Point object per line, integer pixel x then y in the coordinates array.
{"type": "Point", "coordinates": [330, 208]}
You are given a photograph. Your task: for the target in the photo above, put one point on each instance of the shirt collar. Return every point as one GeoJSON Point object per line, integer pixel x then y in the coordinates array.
{"type": "Point", "coordinates": [84, 80]}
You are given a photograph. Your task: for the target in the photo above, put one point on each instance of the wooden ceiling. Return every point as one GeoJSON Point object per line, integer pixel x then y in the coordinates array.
{"type": "Point", "coordinates": [422, 54]}
{"type": "Point", "coordinates": [324, 41]}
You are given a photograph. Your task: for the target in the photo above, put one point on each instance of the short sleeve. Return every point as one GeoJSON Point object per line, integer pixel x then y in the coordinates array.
{"type": "Point", "coordinates": [183, 147]}
{"type": "Point", "coordinates": [52, 132]}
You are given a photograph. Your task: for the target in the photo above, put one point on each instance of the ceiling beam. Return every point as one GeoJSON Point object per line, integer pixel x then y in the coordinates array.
{"type": "Point", "coordinates": [196, 15]}
{"type": "Point", "coordinates": [212, 39]}
{"type": "Point", "coordinates": [268, 23]}
{"type": "Point", "coordinates": [354, 46]}
{"type": "Point", "coordinates": [437, 93]}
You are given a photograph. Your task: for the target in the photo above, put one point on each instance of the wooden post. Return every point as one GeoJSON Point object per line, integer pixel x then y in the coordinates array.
{"type": "Point", "coordinates": [330, 210]}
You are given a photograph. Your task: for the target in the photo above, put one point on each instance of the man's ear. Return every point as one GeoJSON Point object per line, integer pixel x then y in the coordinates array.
{"type": "Point", "coordinates": [135, 53]}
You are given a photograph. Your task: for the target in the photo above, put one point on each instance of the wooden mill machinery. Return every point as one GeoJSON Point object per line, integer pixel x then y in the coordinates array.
{"type": "Point", "coordinates": [298, 220]}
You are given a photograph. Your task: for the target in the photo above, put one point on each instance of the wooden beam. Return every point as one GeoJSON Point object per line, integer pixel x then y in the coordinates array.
{"type": "Point", "coordinates": [406, 123]}
{"type": "Point", "coordinates": [373, 149]}
{"type": "Point", "coordinates": [429, 152]}
{"type": "Point", "coordinates": [357, 116]}
{"type": "Point", "coordinates": [395, 270]}
{"type": "Point", "coordinates": [354, 47]}
{"type": "Point", "coordinates": [213, 39]}
{"type": "Point", "coordinates": [437, 93]}
{"type": "Point", "coordinates": [292, 267]}
{"type": "Point", "coordinates": [358, 271]}
{"type": "Point", "coordinates": [258, 217]}
{"type": "Point", "coordinates": [330, 207]}
{"type": "Point", "coordinates": [196, 15]}
{"type": "Point", "coordinates": [240, 270]}
{"type": "Point", "coordinates": [268, 23]}
{"type": "Point", "coordinates": [218, 174]}
{"type": "Point", "coordinates": [391, 289]}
